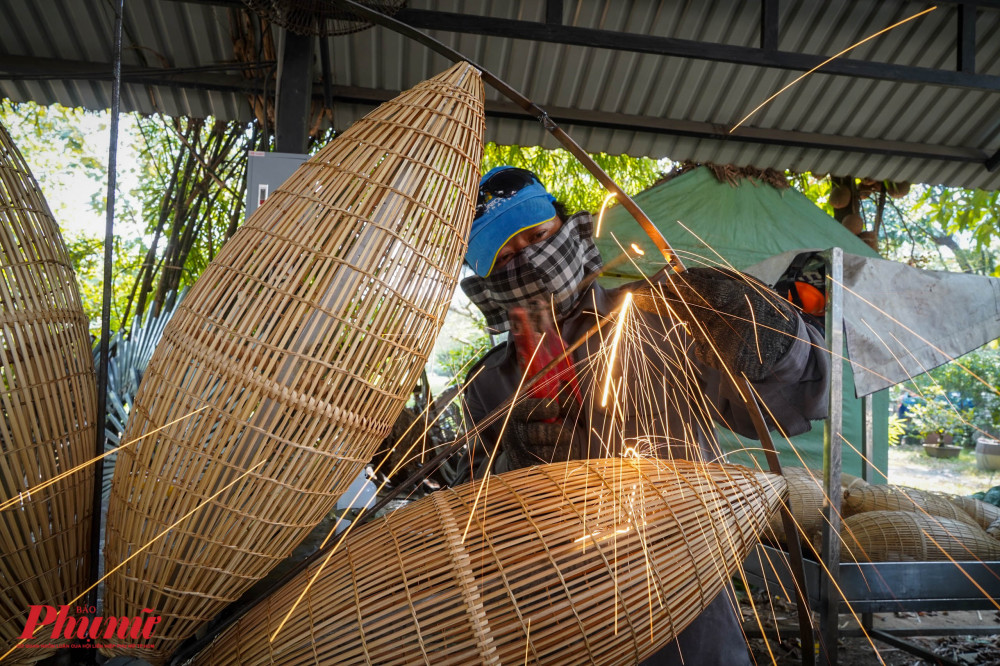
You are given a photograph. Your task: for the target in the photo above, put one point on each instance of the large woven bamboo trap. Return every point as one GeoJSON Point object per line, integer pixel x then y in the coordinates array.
{"type": "Point", "coordinates": [585, 562]}
{"type": "Point", "coordinates": [48, 405]}
{"type": "Point", "coordinates": [898, 498]}
{"type": "Point", "coordinates": [805, 498]}
{"type": "Point", "coordinates": [303, 339]}
{"type": "Point", "coordinates": [910, 536]}
{"type": "Point", "coordinates": [984, 513]}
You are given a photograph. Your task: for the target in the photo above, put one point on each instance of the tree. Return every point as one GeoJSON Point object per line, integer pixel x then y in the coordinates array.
{"type": "Point", "coordinates": [568, 180]}
{"type": "Point", "coordinates": [190, 198]}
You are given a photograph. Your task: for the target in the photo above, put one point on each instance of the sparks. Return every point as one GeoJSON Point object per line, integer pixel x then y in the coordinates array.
{"type": "Point", "coordinates": [828, 61]}
{"type": "Point", "coordinates": [616, 338]}
{"type": "Point", "coordinates": [600, 215]}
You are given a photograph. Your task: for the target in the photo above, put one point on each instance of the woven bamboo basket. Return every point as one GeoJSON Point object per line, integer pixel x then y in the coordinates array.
{"type": "Point", "coordinates": [49, 404]}
{"type": "Point", "coordinates": [805, 497]}
{"type": "Point", "coordinates": [984, 513]}
{"type": "Point", "coordinates": [908, 536]}
{"type": "Point", "coordinates": [897, 498]}
{"type": "Point", "coordinates": [304, 339]}
{"type": "Point", "coordinates": [596, 562]}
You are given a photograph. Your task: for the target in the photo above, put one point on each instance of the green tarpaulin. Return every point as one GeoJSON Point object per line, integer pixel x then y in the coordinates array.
{"type": "Point", "coordinates": [708, 222]}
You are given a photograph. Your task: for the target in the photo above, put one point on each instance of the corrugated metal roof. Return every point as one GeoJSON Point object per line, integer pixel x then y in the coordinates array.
{"type": "Point", "coordinates": [179, 59]}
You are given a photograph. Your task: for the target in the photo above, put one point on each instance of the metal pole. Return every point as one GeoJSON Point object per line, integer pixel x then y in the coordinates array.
{"type": "Point", "coordinates": [102, 364]}
{"type": "Point", "coordinates": [804, 610]}
{"type": "Point", "coordinates": [832, 436]}
{"type": "Point", "coordinates": [868, 439]}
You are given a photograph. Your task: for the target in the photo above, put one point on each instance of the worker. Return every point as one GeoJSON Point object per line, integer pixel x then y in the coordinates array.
{"type": "Point", "coordinates": [690, 331]}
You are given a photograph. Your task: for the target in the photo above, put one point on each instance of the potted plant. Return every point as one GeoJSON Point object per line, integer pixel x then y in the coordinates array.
{"type": "Point", "coordinates": [939, 421]}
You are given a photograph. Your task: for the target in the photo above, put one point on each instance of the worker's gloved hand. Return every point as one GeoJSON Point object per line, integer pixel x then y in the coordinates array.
{"type": "Point", "coordinates": [737, 322]}
{"type": "Point", "coordinates": [538, 433]}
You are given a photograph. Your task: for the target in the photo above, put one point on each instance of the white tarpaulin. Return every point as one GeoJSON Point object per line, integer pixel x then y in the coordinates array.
{"type": "Point", "coordinates": [901, 321]}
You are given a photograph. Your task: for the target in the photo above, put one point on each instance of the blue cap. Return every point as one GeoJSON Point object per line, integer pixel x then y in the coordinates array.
{"type": "Point", "coordinates": [504, 218]}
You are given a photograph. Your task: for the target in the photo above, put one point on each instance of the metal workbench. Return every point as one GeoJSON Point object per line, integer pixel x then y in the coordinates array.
{"type": "Point", "coordinates": [833, 587]}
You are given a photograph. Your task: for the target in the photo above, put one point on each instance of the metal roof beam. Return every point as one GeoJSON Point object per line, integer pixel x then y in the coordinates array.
{"type": "Point", "coordinates": [19, 68]}
{"type": "Point", "coordinates": [769, 25]}
{"type": "Point", "coordinates": [553, 12]}
{"type": "Point", "coordinates": [686, 48]}
{"type": "Point", "coordinates": [212, 78]}
{"type": "Point", "coordinates": [966, 39]}
{"type": "Point", "coordinates": [700, 130]}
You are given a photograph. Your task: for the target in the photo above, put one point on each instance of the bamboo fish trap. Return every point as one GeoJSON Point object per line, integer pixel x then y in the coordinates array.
{"type": "Point", "coordinates": [899, 498]}
{"type": "Point", "coordinates": [984, 513]}
{"type": "Point", "coordinates": [593, 561]}
{"type": "Point", "coordinates": [48, 403]}
{"type": "Point", "coordinates": [907, 536]}
{"type": "Point", "coordinates": [805, 498]}
{"type": "Point", "coordinates": [303, 339]}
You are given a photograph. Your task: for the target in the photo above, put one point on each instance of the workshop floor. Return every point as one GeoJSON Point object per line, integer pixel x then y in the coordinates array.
{"type": "Point", "coordinates": [977, 650]}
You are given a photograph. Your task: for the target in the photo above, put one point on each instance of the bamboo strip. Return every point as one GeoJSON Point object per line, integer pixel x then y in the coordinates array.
{"type": "Point", "coordinates": [305, 337]}
{"type": "Point", "coordinates": [48, 404]}
{"type": "Point", "coordinates": [594, 561]}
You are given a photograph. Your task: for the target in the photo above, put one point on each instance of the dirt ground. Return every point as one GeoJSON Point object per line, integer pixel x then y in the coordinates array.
{"type": "Point", "coordinates": [968, 650]}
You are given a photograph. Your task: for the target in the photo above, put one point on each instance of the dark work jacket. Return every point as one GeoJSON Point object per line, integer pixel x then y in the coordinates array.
{"type": "Point", "coordinates": [666, 402]}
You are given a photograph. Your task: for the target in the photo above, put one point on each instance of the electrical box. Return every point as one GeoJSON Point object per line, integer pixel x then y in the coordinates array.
{"type": "Point", "coordinates": [266, 172]}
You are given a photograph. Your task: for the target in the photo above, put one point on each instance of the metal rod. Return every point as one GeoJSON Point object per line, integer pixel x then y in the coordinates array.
{"type": "Point", "coordinates": [868, 439]}
{"type": "Point", "coordinates": [832, 435]}
{"type": "Point", "coordinates": [796, 563]}
{"type": "Point", "coordinates": [103, 345]}
{"type": "Point", "coordinates": [531, 108]}
{"type": "Point", "coordinates": [912, 648]}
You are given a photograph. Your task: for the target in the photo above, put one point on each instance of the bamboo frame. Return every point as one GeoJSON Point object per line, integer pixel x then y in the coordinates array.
{"type": "Point", "coordinates": [48, 403]}
{"type": "Point", "coordinates": [305, 337]}
{"type": "Point", "coordinates": [590, 561]}
{"type": "Point", "coordinates": [908, 536]}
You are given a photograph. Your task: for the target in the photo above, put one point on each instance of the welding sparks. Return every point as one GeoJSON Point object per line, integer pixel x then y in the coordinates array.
{"type": "Point", "coordinates": [615, 340]}
{"type": "Point", "coordinates": [828, 61]}
{"type": "Point", "coordinates": [600, 215]}
{"type": "Point", "coordinates": [26, 494]}
{"type": "Point", "coordinates": [208, 500]}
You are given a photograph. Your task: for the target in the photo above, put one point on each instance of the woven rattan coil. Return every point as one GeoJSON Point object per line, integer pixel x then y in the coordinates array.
{"type": "Point", "coordinates": [586, 562]}
{"type": "Point", "coordinates": [49, 408]}
{"type": "Point", "coordinates": [907, 536]}
{"type": "Point", "coordinates": [805, 497]}
{"type": "Point", "coordinates": [984, 513]}
{"type": "Point", "coordinates": [303, 339]}
{"type": "Point", "coordinates": [898, 498]}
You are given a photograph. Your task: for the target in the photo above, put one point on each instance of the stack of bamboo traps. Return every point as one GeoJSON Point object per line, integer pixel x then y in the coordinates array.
{"type": "Point", "coordinates": [590, 561]}
{"type": "Point", "coordinates": [291, 357]}
{"type": "Point", "coordinates": [48, 403]}
{"type": "Point", "coordinates": [914, 536]}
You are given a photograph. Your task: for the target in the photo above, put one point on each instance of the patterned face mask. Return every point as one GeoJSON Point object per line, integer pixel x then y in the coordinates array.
{"type": "Point", "coordinates": [550, 270]}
